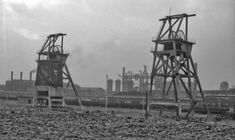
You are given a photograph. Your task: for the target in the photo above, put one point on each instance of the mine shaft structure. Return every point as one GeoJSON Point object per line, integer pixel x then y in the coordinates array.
{"type": "Point", "coordinates": [52, 74]}
{"type": "Point", "coordinates": [172, 60]}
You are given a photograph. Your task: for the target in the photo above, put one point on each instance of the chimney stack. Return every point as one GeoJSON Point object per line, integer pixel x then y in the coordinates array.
{"type": "Point", "coordinates": [123, 75]}
{"type": "Point", "coordinates": [195, 65]}
{"type": "Point", "coordinates": [11, 75]}
{"type": "Point", "coordinates": [30, 76]}
{"type": "Point", "coordinates": [21, 75]}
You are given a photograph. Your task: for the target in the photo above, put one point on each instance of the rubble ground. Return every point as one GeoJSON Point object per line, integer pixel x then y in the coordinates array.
{"type": "Point", "coordinates": [27, 122]}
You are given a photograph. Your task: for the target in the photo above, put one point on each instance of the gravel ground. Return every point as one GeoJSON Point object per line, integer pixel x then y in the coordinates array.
{"type": "Point", "coordinates": [26, 122]}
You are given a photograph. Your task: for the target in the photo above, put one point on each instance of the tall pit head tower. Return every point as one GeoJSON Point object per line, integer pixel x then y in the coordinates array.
{"type": "Point", "coordinates": [173, 62]}
{"type": "Point", "coordinates": [52, 73]}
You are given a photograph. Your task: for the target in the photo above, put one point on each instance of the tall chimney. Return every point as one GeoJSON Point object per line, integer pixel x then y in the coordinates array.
{"type": "Point", "coordinates": [21, 75]}
{"type": "Point", "coordinates": [107, 77]}
{"type": "Point", "coordinates": [123, 74]}
{"type": "Point", "coordinates": [30, 75]}
{"type": "Point", "coordinates": [195, 65]}
{"type": "Point", "coordinates": [11, 75]}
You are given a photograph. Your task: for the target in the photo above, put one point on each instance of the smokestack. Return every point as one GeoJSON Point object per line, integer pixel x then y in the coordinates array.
{"type": "Point", "coordinates": [195, 65]}
{"type": "Point", "coordinates": [107, 77]}
{"type": "Point", "coordinates": [31, 73]}
{"type": "Point", "coordinates": [30, 76]}
{"type": "Point", "coordinates": [21, 75]}
{"type": "Point", "coordinates": [123, 74]}
{"type": "Point", "coordinates": [11, 75]}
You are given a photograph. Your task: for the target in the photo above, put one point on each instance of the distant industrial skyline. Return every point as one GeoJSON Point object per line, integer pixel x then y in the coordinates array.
{"type": "Point", "coordinates": [104, 36]}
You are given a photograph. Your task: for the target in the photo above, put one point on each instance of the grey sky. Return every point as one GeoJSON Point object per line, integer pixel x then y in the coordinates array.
{"type": "Point", "coordinates": [105, 35]}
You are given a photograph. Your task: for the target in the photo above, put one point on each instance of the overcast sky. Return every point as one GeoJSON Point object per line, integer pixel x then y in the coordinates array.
{"type": "Point", "coordinates": [105, 35]}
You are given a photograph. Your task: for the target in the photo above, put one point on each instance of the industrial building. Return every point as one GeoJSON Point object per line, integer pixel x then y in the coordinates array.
{"type": "Point", "coordinates": [23, 91]}
{"type": "Point", "coordinates": [140, 82]}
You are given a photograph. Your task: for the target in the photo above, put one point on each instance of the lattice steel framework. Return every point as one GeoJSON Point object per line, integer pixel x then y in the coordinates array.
{"type": "Point", "coordinates": [172, 59]}
{"type": "Point", "coordinates": [52, 69]}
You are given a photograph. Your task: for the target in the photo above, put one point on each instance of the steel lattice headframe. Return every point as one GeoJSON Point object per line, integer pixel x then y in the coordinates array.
{"type": "Point", "coordinates": [172, 60]}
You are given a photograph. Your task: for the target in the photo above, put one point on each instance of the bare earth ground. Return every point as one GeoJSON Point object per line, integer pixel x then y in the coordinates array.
{"type": "Point", "coordinates": [26, 122]}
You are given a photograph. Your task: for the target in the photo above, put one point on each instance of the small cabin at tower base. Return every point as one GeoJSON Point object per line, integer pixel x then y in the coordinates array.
{"type": "Point", "coordinates": [48, 96]}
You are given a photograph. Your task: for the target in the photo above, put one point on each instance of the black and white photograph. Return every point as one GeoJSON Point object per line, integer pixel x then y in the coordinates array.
{"type": "Point", "coordinates": [117, 69]}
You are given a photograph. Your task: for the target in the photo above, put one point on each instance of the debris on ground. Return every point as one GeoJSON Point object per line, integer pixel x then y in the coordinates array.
{"type": "Point", "coordinates": [26, 122]}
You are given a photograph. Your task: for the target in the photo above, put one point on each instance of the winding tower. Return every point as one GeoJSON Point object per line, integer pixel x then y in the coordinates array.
{"type": "Point", "coordinates": [52, 73]}
{"type": "Point", "coordinates": [173, 62]}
